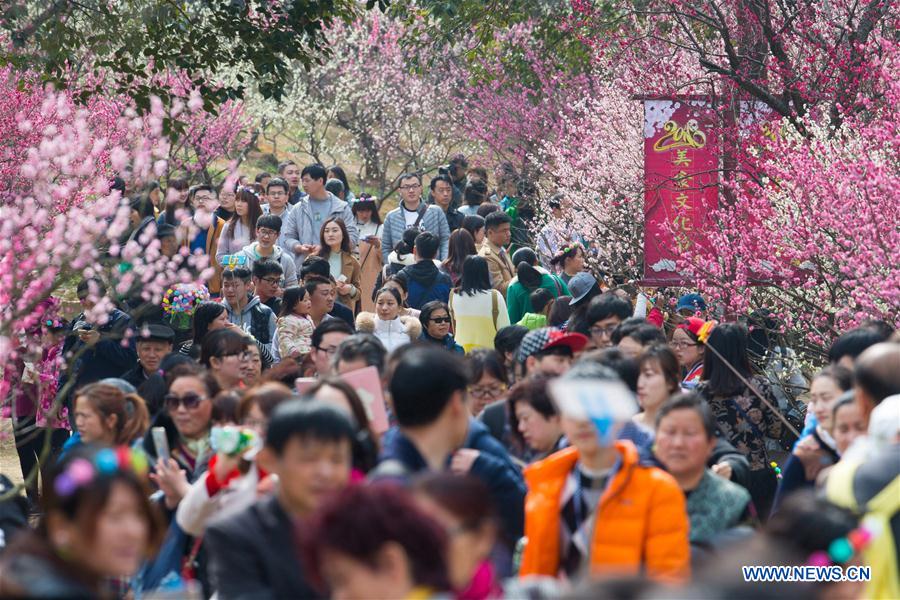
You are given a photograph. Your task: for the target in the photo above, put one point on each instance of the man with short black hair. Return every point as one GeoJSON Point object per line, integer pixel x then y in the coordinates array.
{"type": "Point", "coordinates": [308, 447]}
{"type": "Point", "coordinates": [263, 178]}
{"type": "Point", "coordinates": [290, 172]}
{"type": "Point", "coordinates": [268, 230]}
{"type": "Point", "coordinates": [437, 432]}
{"type": "Point", "coordinates": [245, 309]}
{"type": "Point", "coordinates": [413, 214]}
{"type": "Point", "coordinates": [277, 195]}
{"type": "Point", "coordinates": [442, 196]}
{"type": "Point", "coordinates": [326, 338]}
{"type": "Point", "coordinates": [316, 269]}
{"type": "Point", "coordinates": [850, 344]}
{"type": "Point", "coordinates": [424, 281]}
{"type": "Point", "coordinates": [604, 314]}
{"type": "Point", "coordinates": [358, 352]}
{"type": "Point", "coordinates": [267, 279]}
{"type": "Point", "coordinates": [303, 225]}
{"type": "Point", "coordinates": [497, 234]}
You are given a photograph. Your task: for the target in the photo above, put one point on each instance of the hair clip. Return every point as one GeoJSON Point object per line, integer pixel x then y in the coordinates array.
{"type": "Point", "coordinates": [107, 461]}
{"type": "Point", "coordinates": [842, 549]}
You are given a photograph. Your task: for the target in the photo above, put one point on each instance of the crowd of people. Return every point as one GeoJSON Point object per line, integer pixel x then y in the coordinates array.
{"type": "Point", "coordinates": [446, 403]}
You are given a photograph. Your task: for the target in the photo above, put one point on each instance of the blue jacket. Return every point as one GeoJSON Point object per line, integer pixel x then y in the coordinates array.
{"type": "Point", "coordinates": [424, 283]}
{"type": "Point", "coordinates": [493, 466]}
{"type": "Point", "coordinates": [433, 220]}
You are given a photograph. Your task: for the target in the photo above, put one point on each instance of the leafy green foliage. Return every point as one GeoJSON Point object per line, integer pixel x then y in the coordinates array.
{"type": "Point", "coordinates": [144, 42]}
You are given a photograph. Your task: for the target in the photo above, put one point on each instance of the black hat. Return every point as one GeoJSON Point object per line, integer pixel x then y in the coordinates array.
{"type": "Point", "coordinates": [165, 230]}
{"type": "Point", "coordinates": [155, 331]}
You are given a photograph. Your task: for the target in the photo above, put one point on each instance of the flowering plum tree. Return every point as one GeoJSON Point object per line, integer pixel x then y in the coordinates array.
{"type": "Point", "coordinates": [61, 219]}
{"type": "Point", "coordinates": [368, 101]}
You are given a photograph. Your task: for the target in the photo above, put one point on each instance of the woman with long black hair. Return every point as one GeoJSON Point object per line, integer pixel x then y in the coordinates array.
{"type": "Point", "coordinates": [241, 228]}
{"type": "Point", "coordinates": [478, 311]}
{"type": "Point", "coordinates": [747, 422]}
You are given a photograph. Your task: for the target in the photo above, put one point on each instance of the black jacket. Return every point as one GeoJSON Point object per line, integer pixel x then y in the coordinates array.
{"type": "Point", "coordinates": [108, 357]}
{"type": "Point", "coordinates": [252, 555]}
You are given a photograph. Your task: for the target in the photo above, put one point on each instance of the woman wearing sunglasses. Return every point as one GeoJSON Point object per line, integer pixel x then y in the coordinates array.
{"type": "Point", "coordinates": [435, 319]}
{"type": "Point", "coordinates": [186, 419]}
{"type": "Point", "coordinates": [225, 352]}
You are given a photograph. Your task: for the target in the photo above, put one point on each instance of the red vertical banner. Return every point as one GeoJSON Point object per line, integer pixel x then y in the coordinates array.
{"type": "Point", "coordinates": [681, 176]}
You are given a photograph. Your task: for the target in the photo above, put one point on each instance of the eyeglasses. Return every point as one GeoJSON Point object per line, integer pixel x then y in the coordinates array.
{"type": "Point", "coordinates": [271, 280]}
{"type": "Point", "coordinates": [440, 320]}
{"type": "Point", "coordinates": [413, 186]}
{"type": "Point", "coordinates": [330, 350]}
{"type": "Point", "coordinates": [242, 356]}
{"type": "Point", "coordinates": [266, 232]}
{"type": "Point", "coordinates": [190, 401]}
{"type": "Point", "coordinates": [486, 391]}
{"type": "Point", "coordinates": [678, 345]}
{"type": "Point", "coordinates": [603, 331]}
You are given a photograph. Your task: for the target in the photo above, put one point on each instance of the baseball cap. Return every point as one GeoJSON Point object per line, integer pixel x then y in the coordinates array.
{"type": "Point", "coordinates": [546, 338]}
{"type": "Point", "coordinates": [580, 285]}
{"type": "Point", "coordinates": [693, 302]}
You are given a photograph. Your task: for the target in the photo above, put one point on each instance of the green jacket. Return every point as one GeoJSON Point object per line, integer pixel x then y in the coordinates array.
{"type": "Point", "coordinates": [518, 301]}
{"type": "Point", "coordinates": [533, 321]}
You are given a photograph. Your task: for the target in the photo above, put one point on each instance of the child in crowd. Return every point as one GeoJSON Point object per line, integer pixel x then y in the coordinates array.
{"type": "Point", "coordinates": [542, 301]}
{"type": "Point", "coordinates": [294, 327]}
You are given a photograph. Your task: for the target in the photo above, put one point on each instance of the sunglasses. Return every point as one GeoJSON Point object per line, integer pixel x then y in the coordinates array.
{"type": "Point", "coordinates": [190, 401]}
{"type": "Point", "coordinates": [440, 320]}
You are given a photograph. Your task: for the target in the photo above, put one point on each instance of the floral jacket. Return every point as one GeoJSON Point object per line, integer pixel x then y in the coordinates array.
{"type": "Point", "coordinates": [745, 421]}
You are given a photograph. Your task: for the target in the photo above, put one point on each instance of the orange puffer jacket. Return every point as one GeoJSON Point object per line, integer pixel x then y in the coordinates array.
{"type": "Point", "coordinates": [641, 523]}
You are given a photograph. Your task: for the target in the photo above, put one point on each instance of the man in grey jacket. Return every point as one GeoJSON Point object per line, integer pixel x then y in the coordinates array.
{"type": "Point", "coordinates": [413, 213]}
{"type": "Point", "coordinates": [300, 232]}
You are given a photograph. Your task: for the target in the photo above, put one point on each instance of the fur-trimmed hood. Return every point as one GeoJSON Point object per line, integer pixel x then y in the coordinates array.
{"type": "Point", "coordinates": [392, 334]}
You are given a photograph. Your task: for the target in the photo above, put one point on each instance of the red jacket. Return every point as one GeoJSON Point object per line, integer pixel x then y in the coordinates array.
{"type": "Point", "coordinates": [641, 522]}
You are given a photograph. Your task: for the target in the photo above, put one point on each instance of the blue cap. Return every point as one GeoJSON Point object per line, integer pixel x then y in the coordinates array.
{"type": "Point", "coordinates": [580, 285]}
{"type": "Point", "coordinates": [693, 302]}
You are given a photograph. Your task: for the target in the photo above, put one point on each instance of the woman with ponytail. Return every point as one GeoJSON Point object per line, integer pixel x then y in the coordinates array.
{"type": "Point", "coordinates": [107, 416]}
{"type": "Point", "coordinates": [529, 277]}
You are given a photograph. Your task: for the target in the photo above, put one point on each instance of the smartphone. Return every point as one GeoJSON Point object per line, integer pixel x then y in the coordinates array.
{"type": "Point", "coordinates": [342, 278]}
{"type": "Point", "coordinates": [161, 442]}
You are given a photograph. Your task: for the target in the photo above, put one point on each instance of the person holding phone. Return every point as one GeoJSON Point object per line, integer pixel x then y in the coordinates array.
{"type": "Point", "coordinates": [186, 421]}
{"type": "Point", "coordinates": [95, 351]}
